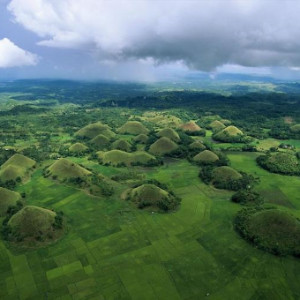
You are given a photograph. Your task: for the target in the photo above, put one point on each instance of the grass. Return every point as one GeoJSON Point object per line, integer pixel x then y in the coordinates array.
{"type": "Point", "coordinates": [206, 157]}
{"type": "Point", "coordinates": [169, 133]}
{"type": "Point", "coordinates": [114, 252]}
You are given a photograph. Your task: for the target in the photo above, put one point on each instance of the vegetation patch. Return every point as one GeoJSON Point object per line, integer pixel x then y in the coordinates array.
{"type": "Point", "coordinates": [280, 162]}
{"type": "Point", "coordinates": [270, 229]}
{"type": "Point", "coordinates": [190, 126]}
{"type": "Point", "coordinates": [197, 145]}
{"type": "Point", "coordinates": [216, 126]}
{"type": "Point", "coordinates": [247, 197]}
{"type": "Point", "coordinates": [295, 128]}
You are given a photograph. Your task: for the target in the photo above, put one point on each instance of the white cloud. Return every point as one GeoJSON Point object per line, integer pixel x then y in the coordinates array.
{"type": "Point", "coordinates": [202, 34]}
{"type": "Point", "coordinates": [14, 56]}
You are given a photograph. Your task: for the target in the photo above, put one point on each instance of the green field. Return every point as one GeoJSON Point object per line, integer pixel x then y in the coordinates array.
{"type": "Point", "coordinates": [113, 251]}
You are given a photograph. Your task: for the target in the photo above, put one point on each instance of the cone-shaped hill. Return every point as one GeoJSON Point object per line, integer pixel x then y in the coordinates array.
{"type": "Point", "coordinates": [133, 127]}
{"type": "Point", "coordinates": [92, 130]}
{"type": "Point", "coordinates": [273, 230]}
{"type": "Point", "coordinates": [229, 134]}
{"type": "Point", "coordinates": [141, 138]}
{"type": "Point", "coordinates": [197, 145]}
{"type": "Point", "coordinates": [169, 133]}
{"type": "Point", "coordinates": [154, 197]}
{"type": "Point", "coordinates": [7, 198]}
{"type": "Point", "coordinates": [15, 167]}
{"type": "Point", "coordinates": [118, 157]}
{"type": "Point", "coordinates": [121, 145]}
{"type": "Point", "coordinates": [100, 141]}
{"type": "Point", "coordinates": [65, 169]}
{"type": "Point", "coordinates": [162, 146]}
{"type": "Point", "coordinates": [34, 224]}
{"type": "Point", "coordinates": [206, 157]}
{"type": "Point", "coordinates": [190, 126]}
{"type": "Point", "coordinates": [295, 128]}
{"type": "Point", "coordinates": [78, 148]}
{"type": "Point", "coordinates": [216, 126]}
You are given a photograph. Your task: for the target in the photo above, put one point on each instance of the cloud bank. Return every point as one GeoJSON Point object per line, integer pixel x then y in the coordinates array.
{"type": "Point", "coordinates": [200, 34]}
{"type": "Point", "coordinates": [14, 56]}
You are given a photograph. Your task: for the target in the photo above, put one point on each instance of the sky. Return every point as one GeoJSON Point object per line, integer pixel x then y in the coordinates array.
{"type": "Point", "coordinates": [148, 40]}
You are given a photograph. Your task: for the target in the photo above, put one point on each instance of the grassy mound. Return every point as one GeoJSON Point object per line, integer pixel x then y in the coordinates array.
{"type": "Point", "coordinates": [11, 173]}
{"type": "Point", "coordinates": [19, 161]}
{"type": "Point", "coordinates": [100, 141]}
{"type": "Point", "coordinates": [121, 145]}
{"type": "Point", "coordinates": [118, 157]}
{"type": "Point", "coordinates": [163, 146]}
{"type": "Point", "coordinates": [7, 198]}
{"type": "Point", "coordinates": [16, 167]}
{"type": "Point", "coordinates": [272, 230]}
{"type": "Point", "coordinates": [197, 145]}
{"type": "Point", "coordinates": [170, 134]}
{"type": "Point", "coordinates": [229, 134]}
{"type": "Point", "coordinates": [162, 119]}
{"type": "Point", "coordinates": [34, 224]}
{"type": "Point", "coordinates": [295, 128]}
{"type": "Point", "coordinates": [92, 130]}
{"type": "Point", "coordinates": [65, 169]}
{"type": "Point", "coordinates": [141, 138]}
{"type": "Point", "coordinates": [206, 157]}
{"type": "Point", "coordinates": [133, 127]}
{"type": "Point", "coordinates": [216, 126]}
{"type": "Point", "coordinates": [78, 148]}
{"type": "Point", "coordinates": [154, 197]}
{"type": "Point", "coordinates": [281, 162]}
{"type": "Point", "coordinates": [225, 173]}
{"type": "Point", "coordinates": [190, 126]}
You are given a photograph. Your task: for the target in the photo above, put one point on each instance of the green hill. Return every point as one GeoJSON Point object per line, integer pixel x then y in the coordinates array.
{"type": "Point", "coordinates": [34, 224]}
{"type": "Point", "coordinates": [19, 161]}
{"type": "Point", "coordinates": [65, 169]}
{"type": "Point", "coordinates": [170, 134]}
{"type": "Point", "coordinates": [229, 134]}
{"type": "Point", "coordinates": [206, 157]}
{"type": "Point", "coordinates": [92, 130]}
{"type": "Point", "coordinates": [118, 157]}
{"type": "Point", "coordinates": [7, 198]}
{"type": "Point", "coordinates": [216, 126]}
{"type": "Point", "coordinates": [100, 141]}
{"type": "Point", "coordinates": [197, 145]}
{"type": "Point", "coordinates": [141, 138]}
{"type": "Point", "coordinates": [225, 173]}
{"type": "Point", "coordinates": [153, 197]}
{"type": "Point", "coordinates": [78, 148]}
{"type": "Point", "coordinates": [295, 128]}
{"type": "Point", "coordinates": [133, 127]}
{"type": "Point", "coordinates": [281, 162]}
{"type": "Point", "coordinates": [162, 146]}
{"type": "Point", "coordinates": [15, 167]}
{"type": "Point", "coordinates": [121, 145]}
{"type": "Point", "coordinates": [272, 230]}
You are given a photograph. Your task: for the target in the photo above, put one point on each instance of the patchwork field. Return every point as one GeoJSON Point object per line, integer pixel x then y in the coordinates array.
{"type": "Point", "coordinates": [113, 251]}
